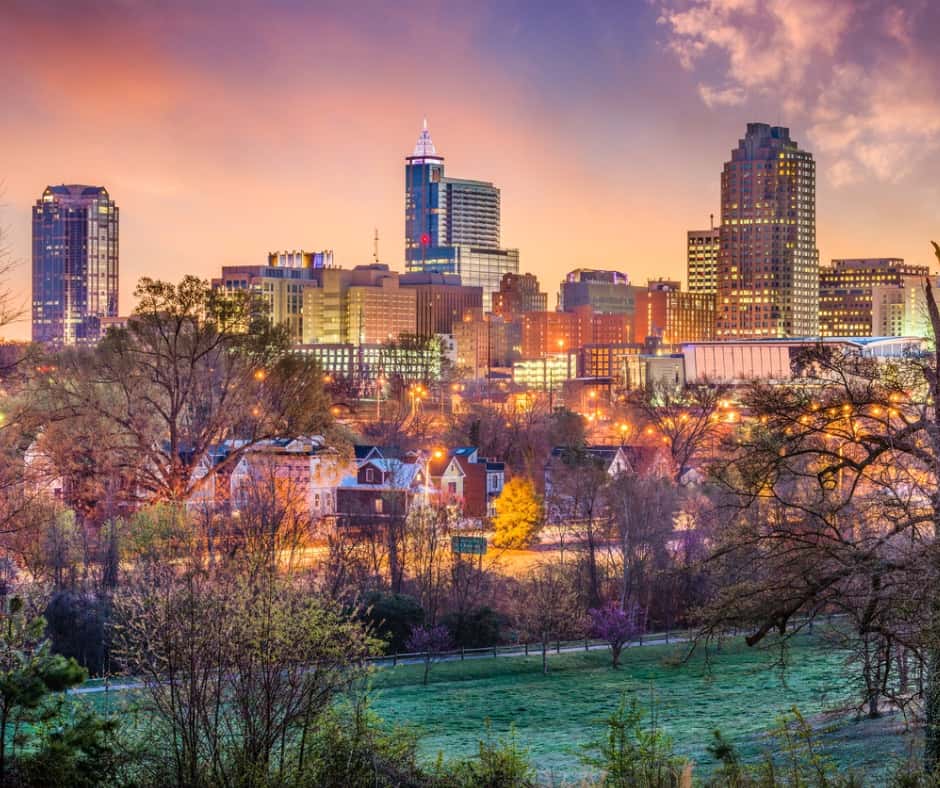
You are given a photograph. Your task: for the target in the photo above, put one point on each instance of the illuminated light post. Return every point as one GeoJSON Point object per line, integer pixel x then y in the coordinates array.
{"type": "Point", "coordinates": [437, 454]}
{"type": "Point", "coordinates": [379, 385]}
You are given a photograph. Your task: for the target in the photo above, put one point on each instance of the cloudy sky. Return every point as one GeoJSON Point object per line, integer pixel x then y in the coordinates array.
{"type": "Point", "coordinates": [228, 129]}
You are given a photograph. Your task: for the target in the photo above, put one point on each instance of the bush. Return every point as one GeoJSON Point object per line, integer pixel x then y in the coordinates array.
{"type": "Point", "coordinates": [77, 626]}
{"type": "Point", "coordinates": [499, 763]}
{"type": "Point", "coordinates": [476, 629]}
{"type": "Point", "coordinates": [392, 617]}
{"type": "Point", "coordinates": [631, 754]}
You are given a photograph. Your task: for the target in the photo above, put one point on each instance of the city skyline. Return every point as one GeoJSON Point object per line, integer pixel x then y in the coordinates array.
{"type": "Point", "coordinates": [570, 96]}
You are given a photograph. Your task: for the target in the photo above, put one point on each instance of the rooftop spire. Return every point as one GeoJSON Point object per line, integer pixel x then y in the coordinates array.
{"type": "Point", "coordinates": [424, 145]}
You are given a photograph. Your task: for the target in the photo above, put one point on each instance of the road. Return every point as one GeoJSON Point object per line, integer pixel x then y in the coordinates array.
{"type": "Point", "coordinates": [534, 650]}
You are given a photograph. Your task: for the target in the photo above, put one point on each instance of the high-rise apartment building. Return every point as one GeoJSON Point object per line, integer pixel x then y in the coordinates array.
{"type": "Point", "coordinates": [441, 300]}
{"type": "Point", "coordinates": [846, 296]}
{"type": "Point", "coordinates": [702, 260]}
{"type": "Point", "coordinates": [517, 294]}
{"type": "Point", "coordinates": [452, 224]}
{"type": "Point", "coordinates": [768, 263]}
{"type": "Point", "coordinates": [362, 306]}
{"type": "Point", "coordinates": [75, 263]}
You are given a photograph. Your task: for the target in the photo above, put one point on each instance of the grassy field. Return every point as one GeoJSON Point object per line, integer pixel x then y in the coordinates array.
{"type": "Point", "coordinates": [738, 690]}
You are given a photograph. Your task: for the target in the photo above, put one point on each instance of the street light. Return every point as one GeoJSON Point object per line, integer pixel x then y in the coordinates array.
{"type": "Point", "coordinates": [436, 454]}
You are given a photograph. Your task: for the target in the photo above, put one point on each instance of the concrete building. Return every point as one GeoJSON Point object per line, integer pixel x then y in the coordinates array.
{"type": "Point", "coordinates": [364, 305]}
{"type": "Point", "coordinates": [606, 292]}
{"type": "Point", "coordinates": [768, 271]}
{"type": "Point", "coordinates": [545, 333]}
{"type": "Point", "coordinates": [771, 360]}
{"type": "Point", "coordinates": [845, 296]}
{"type": "Point", "coordinates": [441, 300]}
{"type": "Point", "coordinates": [702, 260]}
{"type": "Point", "coordinates": [673, 316]}
{"type": "Point", "coordinates": [518, 294]}
{"type": "Point", "coordinates": [75, 264]}
{"type": "Point", "coordinates": [485, 342]}
{"type": "Point", "coordinates": [279, 285]}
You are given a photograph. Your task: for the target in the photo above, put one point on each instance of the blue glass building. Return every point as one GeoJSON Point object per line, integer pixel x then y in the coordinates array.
{"type": "Point", "coordinates": [75, 263]}
{"type": "Point", "coordinates": [452, 224]}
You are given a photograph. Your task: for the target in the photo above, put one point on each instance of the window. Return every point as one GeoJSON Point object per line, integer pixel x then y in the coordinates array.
{"type": "Point", "coordinates": [370, 476]}
{"type": "Point", "coordinates": [452, 488]}
{"type": "Point", "coordinates": [316, 501]}
{"type": "Point", "coordinates": [378, 506]}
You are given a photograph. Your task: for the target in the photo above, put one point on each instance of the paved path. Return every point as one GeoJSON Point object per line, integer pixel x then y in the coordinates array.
{"type": "Point", "coordinates": [534, 651]}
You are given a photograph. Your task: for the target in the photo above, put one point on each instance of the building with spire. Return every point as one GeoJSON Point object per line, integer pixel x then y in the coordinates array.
{"type": "Point", "coordinates": [452, 224]}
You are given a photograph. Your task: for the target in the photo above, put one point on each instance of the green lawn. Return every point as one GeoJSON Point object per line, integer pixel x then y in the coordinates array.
{"type": "Point", "coordinates": [737, 690]}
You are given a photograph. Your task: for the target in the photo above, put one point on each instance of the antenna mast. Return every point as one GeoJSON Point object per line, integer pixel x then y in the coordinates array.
{"type": "Point", "coordinates": [375, 246]}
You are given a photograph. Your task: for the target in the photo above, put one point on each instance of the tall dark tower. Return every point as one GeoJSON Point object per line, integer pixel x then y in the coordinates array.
{"type": "Point", "coordinates": [75, 263]}
{"type": "Point", "coordinates": [768, 263]}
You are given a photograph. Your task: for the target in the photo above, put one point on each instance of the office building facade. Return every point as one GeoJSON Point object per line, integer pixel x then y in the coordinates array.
{"type": "Point", "coordinates": [452, 225]}
{"type": "Point", "coordinates": [360, 306]}
{"type": "Point", "coordinates": [279, 285]}
{"type": "Point", "coordinates": [702, 260]}
{"type": "Point", "coordinates": [768, 263]}
{"type": "Point", "coordinates": [518, 294]}
{"type": "Point", "coordinates": [75, 264]}
{"type": "Point", "coordinates": [440, 300]}
{"type": "Point", "coordinates": [846, 296]}
{"type": "Point", "coordinates": [606, 292]}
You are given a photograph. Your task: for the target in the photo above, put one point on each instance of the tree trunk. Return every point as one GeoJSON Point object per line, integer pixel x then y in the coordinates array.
{"type": "Point", "coordinates": [615, 649]}
{"type": "Point", "coordinates": [544, 656]}
{"type": "Point", "coordinates": [932, 713]}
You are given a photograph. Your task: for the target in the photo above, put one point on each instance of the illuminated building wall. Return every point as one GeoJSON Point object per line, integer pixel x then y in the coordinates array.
{"type": "Point", "coordinates": [846, 307]}
{"type": "Point", "coordinates": [364, 305]}
{"type": "Point", "coordinates": [75, 263]}
{"type": "Point", "coordinates": [768, 264]}
{"type": "Point", "coordinates": [517, 294]}
{"type": "Point", "coordinates": [702, 260]}
{"type": "Point", "coordinates": [279, 285]}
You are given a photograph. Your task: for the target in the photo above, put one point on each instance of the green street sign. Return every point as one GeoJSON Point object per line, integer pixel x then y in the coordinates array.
{"type": "Point", "coordinates": [468, 545]}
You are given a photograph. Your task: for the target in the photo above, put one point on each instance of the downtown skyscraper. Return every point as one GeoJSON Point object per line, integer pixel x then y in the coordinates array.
{"type": "Point", "coordinates": [452, 224]}
{"type": "Point", "coordinates": [75, 264]}
{"type": "Point", "coordinates": [768, 263]}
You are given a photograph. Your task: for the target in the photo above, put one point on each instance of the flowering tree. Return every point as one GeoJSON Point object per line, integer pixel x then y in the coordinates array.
{"type": "Point", "coordinates": [429, 641]}
{"type": "Point", "coordinates": [616, 626]}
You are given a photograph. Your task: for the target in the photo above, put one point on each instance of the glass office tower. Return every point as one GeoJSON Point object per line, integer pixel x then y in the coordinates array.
{"type": "Point", "coordinates": [452, 224]}
{"type": "Point", "coordinates": [75, 263]}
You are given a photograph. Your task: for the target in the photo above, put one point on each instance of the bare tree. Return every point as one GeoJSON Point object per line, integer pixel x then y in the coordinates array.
{"type": "Point", "coordinates": [238, 669]}
{"type": "Point", "coordinates": [195, 380]}
{"type": "Point", "coordinates": [688, 419]}
{"type": "Point", "coordinates": [545, 607]}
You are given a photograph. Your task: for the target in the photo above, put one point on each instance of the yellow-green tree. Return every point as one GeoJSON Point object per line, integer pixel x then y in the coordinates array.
{"type": "Point", "coordinates": [518, 515]}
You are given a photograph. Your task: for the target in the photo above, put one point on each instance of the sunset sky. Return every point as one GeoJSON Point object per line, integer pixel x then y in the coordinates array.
{"type": "Point", "coordinates": [225, 130]}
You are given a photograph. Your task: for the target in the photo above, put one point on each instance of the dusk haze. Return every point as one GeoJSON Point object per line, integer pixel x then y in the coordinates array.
{"type": "Point", "coordinates": [470, 395]}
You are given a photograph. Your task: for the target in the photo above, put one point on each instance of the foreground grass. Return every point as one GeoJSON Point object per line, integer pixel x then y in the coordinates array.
{"type": "Point", "coordinates": [738, 690]}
